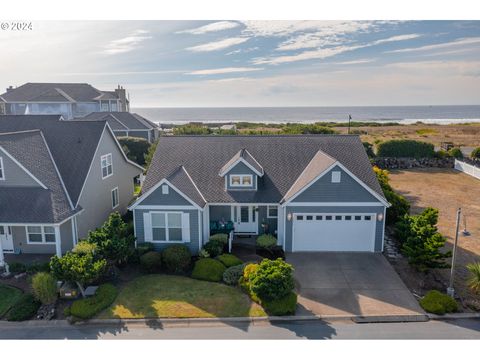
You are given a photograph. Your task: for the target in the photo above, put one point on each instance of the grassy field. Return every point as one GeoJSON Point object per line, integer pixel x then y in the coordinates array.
{"type": "Point", "coordinates": [446, 190]}
{"type": "Point", "coordinates": [167, 296]}
{"type": "Point", "coordinates": [8, 296]}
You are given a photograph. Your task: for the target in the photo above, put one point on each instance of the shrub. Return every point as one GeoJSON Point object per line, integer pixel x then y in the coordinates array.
{"type": "Point", "coordinates": [151, 262]}
{"type": "Point", "coordinates": [136, 148]}
{"type": "Point", "coordinates": [203, 254]}
{"type": "Point", "coordinates": [473, 280]}
{"type": "Point", "coordinates": [16, 267]}
{"type": "Point", "coordinates": [223, 238]}
{"type": "Point", "coordinates": [89, 307]}
{"type": "Point", "coordinates": [475, 153]}
{"type": "Point", "coordinates": [272, 280]}
{"type": "Point", "coordinates": [437, 303]}
{"type": "Point", "coordinates": [84, 247]}
{"type": "Point", "coordinates": [44, 287]}
{"type": "Point", "coordinates": [25, 308]}
{"type": "Point", "coordinates": [145, 248]}
{"type": "Point", "coordinates": [209, 270]}
{"type": "Point", "coordinates": [405, 148]}
{"type": "Point", "coordinates": [266, 241]}
{"type": "Point", "coordinates": [283, 306]}
{"type": "Point", "coordinates": [176, 258]}
{"type": "Point", "coordinates": [214, 248]}
{"type": "Point", "coordinates": [456, 153]}
{"type": "Point", "coordinates": [229, 260]}
{"type": "Point", "coordinates": [232, 275]}
{"type": "Point", "coordinates": [369, 149]}
{"type": "Point", "coordinates": [249, 272]}
{"type": "Point", "coordinates": [38, 267]}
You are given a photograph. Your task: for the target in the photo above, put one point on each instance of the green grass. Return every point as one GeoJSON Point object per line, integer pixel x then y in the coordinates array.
{"type": "Point", "coordinates": [8, 296]}
{"type": "Point", "coordinates": [153, 296]}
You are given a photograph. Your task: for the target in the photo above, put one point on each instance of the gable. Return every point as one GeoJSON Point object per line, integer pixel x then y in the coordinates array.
{"type": "Point", "coordinates": [323, 190]}
{"type": "Point", "coordinates": [240, 168]}
{"type": "Point", "coordinates": [14, 174]}
{"type": "Point", "coordinates": [173, 198]}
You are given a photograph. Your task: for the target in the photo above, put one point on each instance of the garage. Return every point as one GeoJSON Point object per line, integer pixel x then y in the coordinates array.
{"type": "Point", "coordinates": [333, 232]}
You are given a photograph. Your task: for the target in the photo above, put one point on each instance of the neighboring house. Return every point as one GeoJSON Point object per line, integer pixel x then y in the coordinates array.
{"type": "Point", "coordinates": [58, 180]}
{"type": "Point", "coordinates": [69, 100]}
{"type": "Point", "coordinates": [126, 124]}
{"type": "Point", "coordinates": [314, 192]}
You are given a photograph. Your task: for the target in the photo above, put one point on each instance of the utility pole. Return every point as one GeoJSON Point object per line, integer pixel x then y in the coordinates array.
{"type": "Point", "coordinates": [349, 119]}
{"type": "Point", "coordinates": [450, 289]}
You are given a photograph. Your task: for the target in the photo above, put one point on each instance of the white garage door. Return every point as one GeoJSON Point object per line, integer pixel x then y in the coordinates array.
{"type": "Point", "coordinates": [333, 232]}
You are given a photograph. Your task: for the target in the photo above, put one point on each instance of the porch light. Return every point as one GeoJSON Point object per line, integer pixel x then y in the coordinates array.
{"type": "Point", "coordinates": [289, 216]}
{"type": "Point", "coordinates": [379, 216]}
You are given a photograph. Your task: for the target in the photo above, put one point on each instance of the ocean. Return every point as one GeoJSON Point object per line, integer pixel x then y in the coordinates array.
{"type": "Point", "coordinates": [401, 114]}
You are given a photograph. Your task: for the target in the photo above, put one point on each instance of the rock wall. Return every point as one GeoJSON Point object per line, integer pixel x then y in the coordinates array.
{"type": "Point", "coordinates": [409, 163]}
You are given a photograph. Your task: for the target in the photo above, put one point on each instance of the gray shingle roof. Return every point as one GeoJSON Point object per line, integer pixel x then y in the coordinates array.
{"type": "Point", "coordinates": [120, 120]}
{"type": "Point", "coordinates": [56, 92]}
{"type": "Point", "coordinates": [49, 205]}
{"type": "Point", "coordinates": [183, 182]}
{"type": "Point", "coordinates": [244, 155]}
{"type": "Point", "coordinates": [283, 159]}
{"type": "Point", "coordinates": [72, 144]}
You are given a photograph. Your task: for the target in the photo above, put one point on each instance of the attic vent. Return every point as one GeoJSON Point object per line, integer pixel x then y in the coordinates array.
{"type": "Point", "coordinates": [336, 176]}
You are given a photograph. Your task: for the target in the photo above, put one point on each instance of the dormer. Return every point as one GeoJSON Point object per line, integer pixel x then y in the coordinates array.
{"type": "Point", "coordinates": [241, 172]}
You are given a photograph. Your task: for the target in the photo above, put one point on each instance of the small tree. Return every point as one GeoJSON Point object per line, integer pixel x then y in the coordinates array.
{"type": "Point", "coordinates": [273, 279]}
{"type": "Point", "coordinates": [475, 153]}
{"type": "Point", "coordinates": [136, 148]}
{"type": "Point", "coordinates": [150, 153]}
{"type": "Point", "coordinates": [421, 241]}
{"type": "Point", "coordinates": [44, 288]}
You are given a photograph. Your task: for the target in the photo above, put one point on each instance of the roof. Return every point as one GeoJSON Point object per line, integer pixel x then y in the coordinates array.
{"type": "Point", "coordinates": [283, 158]}
{"type": "Point", "coordinates": [57, 92]}
{"type": "Point", "coordinates": [72, 144]}
{"type": "Point", "coordinates": [244, 156]}
{"type": "Point", "coordinates": [50, 205]}
{"type": "Point", "coordinates": [183, 182]}
{"type": "Point", "coordinates": [121, 120]}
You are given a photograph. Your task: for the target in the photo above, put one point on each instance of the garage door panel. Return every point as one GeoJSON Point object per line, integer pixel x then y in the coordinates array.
{"type": "Point", "coordinates": [333, 232]}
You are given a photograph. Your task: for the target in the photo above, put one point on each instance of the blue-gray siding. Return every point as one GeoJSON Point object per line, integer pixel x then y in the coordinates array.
{"type": "Point", "coordinates": [241, 169]}
{"type": "Point", "coordinates": [262, 218]}
{"type": "Point", "coordinates": [172, 198]}
{"type": "Point", "coordinates": [347, 190]}
{"type": "Point", "coordinates": [335, 209]}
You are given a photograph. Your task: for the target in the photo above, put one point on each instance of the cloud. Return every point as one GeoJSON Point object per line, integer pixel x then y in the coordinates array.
{"type": "Point", "coordinates": [128, 43]}
{"type": "Point", "coordinates": [218, 45]}
{"type": "Point", "coordinates": [355, 62]}
{"type": "Point", "coordinates": [212, 27]}
{"type": "Point", "coordinates": [224, 70]}
{"type": "Point", "coordinates": [458, 42]}
{"type": "Point", "coordinates": [247, 50]}
{"type": "Point", "coordinates": [397, 38]}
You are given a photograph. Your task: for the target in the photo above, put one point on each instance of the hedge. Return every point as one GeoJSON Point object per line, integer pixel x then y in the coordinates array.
{"type": "Point", "coordinates": [208, 270]}
{"type": "Point", "coordinates": [405, 148]}
{"type": "Point", "coordinates": [283, 306]}
{"type": "Point", "coordinates": [223, 238]}
{"type": "Point", "coordinates": [176, 258]}
{"type": "Point", "coordinates": [214, 248]}
{"type": "Point", "coordinates": [136, 147]}
{"type": "Point", "coordinates": [89, 307]}
{"type": "Point", "coordinates": [266, 241]}
{"type": "Point", "coordinates": [437, 303]}
{"type": "Point", "coordinates": [24, 309]}
{"type": "Point", "coordinates": [229, 260]}
{"type": "Point", "coordinates": [151, 262]}
{"type": "Point", "coordinates": [232, 275]}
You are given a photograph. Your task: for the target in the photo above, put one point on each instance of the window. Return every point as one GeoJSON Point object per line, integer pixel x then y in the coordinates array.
{"type": "Point", "coordinates": [328, 217]}
{"type": "Point", "coordinates": [106, 162]}
{"type": "Point", "coordinates": [338, 217]}
{"type": "Point", "coordinates": [114, 198]}
{"type": "Point", "coordinates": [299, 217]}
{"type": "Point", "coordinates": [368, 217]}
{"type": "Point", "coordinates": [336, 176]}
{"type": "Point", "coordinates": [113, 105]}
{"type": "Point", "coordinates": [241, 180]}
{"type": "Point", "coordinates": [358, 217]}
{"type": "Point", "coordinates": [309, 217]}
{"type": "Point", "coordinates": [41, 235]}
{"type": "Point", "coordinates": [319, 217]}
{"type": "Point", "coordinates": [272, 212]}
{"type": "Point", "coordinates": [2, 109]}
{"type": "Point", "coordinates": [104, 106]}
{"type": "Point", "coordinates": [165, 189]}
{"type": "Point", "coordinates": [348, 217]}
{"type": "Point", "coordinates": [2, 171]}
{"type": "Point", "coordinates": [167, 226]}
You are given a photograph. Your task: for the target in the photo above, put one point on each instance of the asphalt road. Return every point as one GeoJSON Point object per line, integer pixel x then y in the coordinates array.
{"type": "Point", "coordinates": [458, 329]}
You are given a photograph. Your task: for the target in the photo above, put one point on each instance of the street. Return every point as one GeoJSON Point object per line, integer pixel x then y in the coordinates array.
{"type": "Point", "coordinates": [458, 329]}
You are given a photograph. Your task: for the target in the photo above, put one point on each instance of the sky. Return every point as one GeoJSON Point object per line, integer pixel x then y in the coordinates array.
{"type": "Point", "coordinates": [254, 63]}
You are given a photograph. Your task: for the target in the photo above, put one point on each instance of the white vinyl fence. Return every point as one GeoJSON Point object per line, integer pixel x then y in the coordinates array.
{"type": "Point", "coordinates": [467, 168]}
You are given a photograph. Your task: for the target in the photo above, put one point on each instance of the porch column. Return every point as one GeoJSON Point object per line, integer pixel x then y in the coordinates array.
{"type": "Point", "coordinates": [206, 223]}
{"type": "Point", "coordinates": [58, 241]}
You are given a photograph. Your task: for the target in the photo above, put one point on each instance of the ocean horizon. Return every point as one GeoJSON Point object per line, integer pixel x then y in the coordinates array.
{"type": "Point", "coordinates": [441, 114]}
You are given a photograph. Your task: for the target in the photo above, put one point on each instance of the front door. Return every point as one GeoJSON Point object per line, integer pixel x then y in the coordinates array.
{"type": "Point", "coordinates": [6, 238]}
{"type": "Point", "coordinates": [246, 219]}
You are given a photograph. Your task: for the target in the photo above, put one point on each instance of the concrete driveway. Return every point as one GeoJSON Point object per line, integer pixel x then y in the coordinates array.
{"type": "Point", "coordinates": [351, 284]}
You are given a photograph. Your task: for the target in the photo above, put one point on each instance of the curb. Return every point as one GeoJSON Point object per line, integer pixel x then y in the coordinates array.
{"type": "Point", "coordinates": [454, 316]}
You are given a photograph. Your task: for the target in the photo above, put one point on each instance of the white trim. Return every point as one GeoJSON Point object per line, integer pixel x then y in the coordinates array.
{"type": "Point", "coordinates": [333, 204]}
{"type": "Point", "coordinates": [102, 157]}
{"type": "Point", "coordinates": [74, 240]}
{"type": "Point", "coordinates": [118, 198]}
{"type": "Point", "coordinates": [252, 212]}
{"type": "Point", "coordinates": [268, 211]}
{"type": "Point", "coordinates": [167, 227]}
{"type": "Point", "coordinates": [225, 171]}
{"type": "Point", "coordinates": [42, 234]}
{"type": "Point", "coordinates": [135, 229]}
{"type": "Point", "coordinates": [22, 167]}
{"type": "Point", "coordinates": [195, 185]}
{"type": "Point", "coordinates": [58, 241]}
{"type": "Point", "coordinates": [383, 230]}
{"type": "Point", "coordinates": [2, 168]}
{"type": "Point", "coordinates": [167, 207]}
{"type": "Point", "coordinates": [238, 203]}
{"type": "Point", "coordinates": [43, 224]}
{"type": "Point", "coordinates": [199, 230]}
{"type": "Point", "coordinates": [241, 185]}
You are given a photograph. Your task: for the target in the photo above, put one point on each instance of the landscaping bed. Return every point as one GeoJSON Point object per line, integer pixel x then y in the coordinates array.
{"type": "Point", "coordinates": [169, 296]}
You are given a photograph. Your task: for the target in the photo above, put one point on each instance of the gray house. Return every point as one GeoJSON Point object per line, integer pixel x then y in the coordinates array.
{"type": "Point", "coordinates": [314, 192]}
{"type": "Point", "coordinates": [70, 100]}
{"type": "Point", "coordinates": [58, 180]}
{"type": "Point", "coordinates": [126, 124]}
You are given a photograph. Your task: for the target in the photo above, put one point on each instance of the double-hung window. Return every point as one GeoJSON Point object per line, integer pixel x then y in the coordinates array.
{"type": "Point", "coordinates": [114, 198]}
{"type": "Point", "coordinates": [40, 235]}
{"type": "Point", "coordinates": [167, 226]}
{"type": "Point", "coordinates": [272, 211]}
{"type": "Point", "coordinates": [241, 180]}
{"type": "Point", "coordinates": [106, 163]}
{"type": "Point", "coordinates": [2, 170]}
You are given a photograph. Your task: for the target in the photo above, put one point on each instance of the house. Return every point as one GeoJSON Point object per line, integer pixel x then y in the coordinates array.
{"type": "Point", "coordinates": [70, 100]}
{"type": "Point", "coordinates": [314, 192]}
{"type": "Point", "coordinates": [126, 124]}
{"type": "Point", "coordinates": [58, 180]}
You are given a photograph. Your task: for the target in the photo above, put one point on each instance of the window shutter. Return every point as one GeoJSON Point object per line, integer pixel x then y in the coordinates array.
{"type": "Point", "coordinates": [147, 227]}
{"type": "Point", "coordinates": [186, 227]}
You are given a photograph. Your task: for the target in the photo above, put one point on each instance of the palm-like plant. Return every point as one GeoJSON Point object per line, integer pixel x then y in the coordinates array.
{"type": "Point", "coordinates": [473, 281]}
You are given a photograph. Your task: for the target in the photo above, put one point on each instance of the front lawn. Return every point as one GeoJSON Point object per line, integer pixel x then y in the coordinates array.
{"type": "Point", "coordinates": [8, 296]}
{"type": "Point", "coordinates": [167, 296]}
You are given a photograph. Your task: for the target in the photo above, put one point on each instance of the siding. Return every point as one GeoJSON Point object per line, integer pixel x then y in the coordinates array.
{"type": "Point", "coordinates": [335, 209]}
{"type": "Point", "coordinates": [96, 198]}
{"type": "Point", "coordinates": [194, 229]}
{"type": "Point", "coordinates": [172, 198]}
{"type": "Point", "coordinates": [14, 174]}
{"type": "Point", "coordinates": [262, 217]}
{"type": "Point", "coordinates": [347, 190]}
{"type": "Point", "coordinates": [241, 169]}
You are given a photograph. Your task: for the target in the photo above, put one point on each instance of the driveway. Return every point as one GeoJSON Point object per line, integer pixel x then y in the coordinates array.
{"type": "Point", "coordinates": [350, 284]}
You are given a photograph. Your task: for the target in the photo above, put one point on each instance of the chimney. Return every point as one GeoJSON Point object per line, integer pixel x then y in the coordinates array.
{"type": "Point", "coordinates": [10, 88]}
{"type": "Point", "coordinates": [122, 96]}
